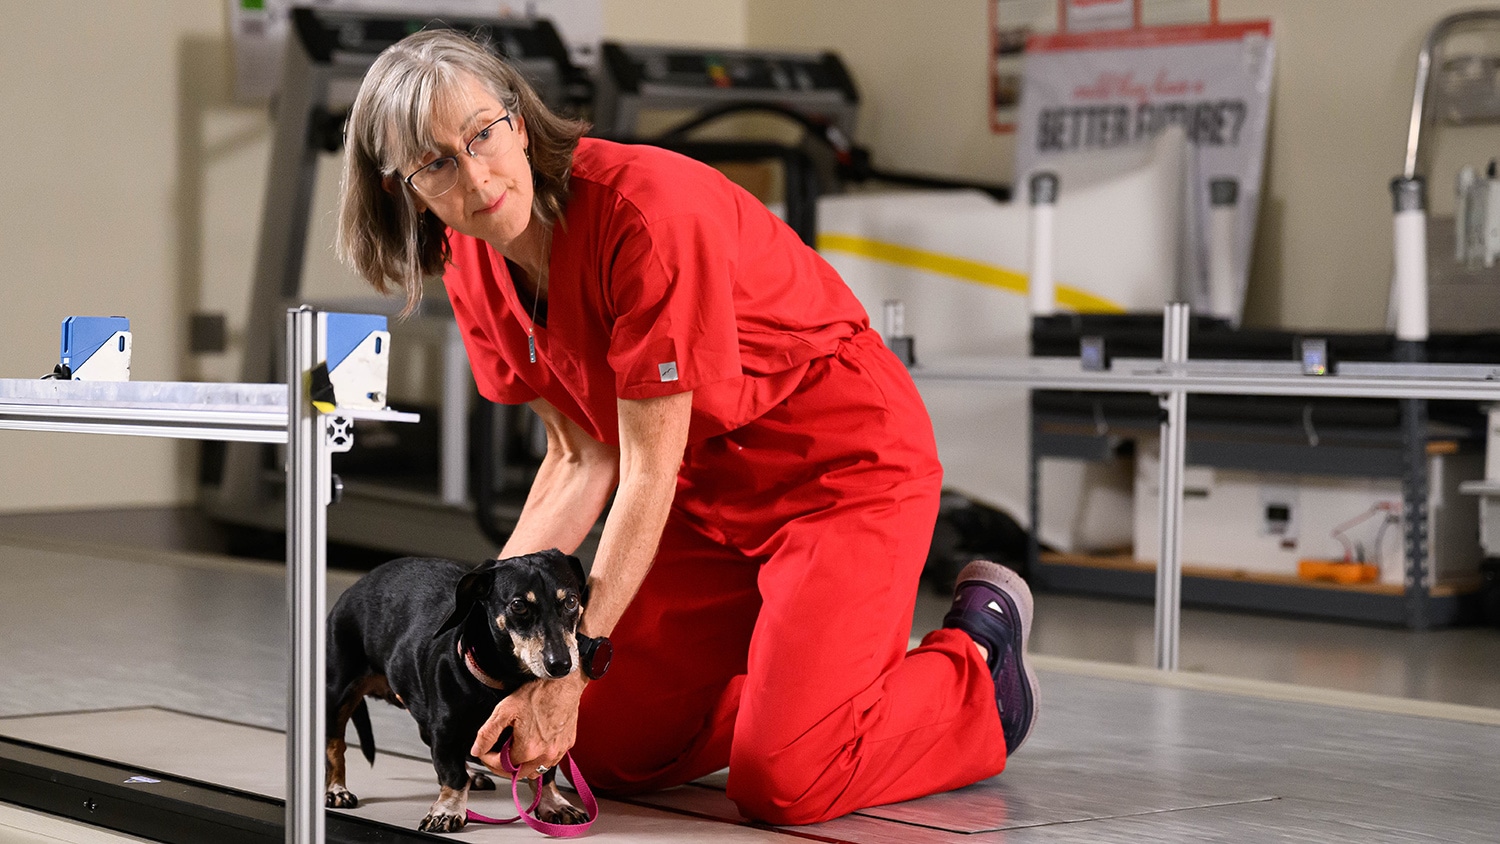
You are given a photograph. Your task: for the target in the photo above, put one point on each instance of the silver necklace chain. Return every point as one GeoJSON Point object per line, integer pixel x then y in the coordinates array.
{"type": "Point", "coordinates": [536, 297]}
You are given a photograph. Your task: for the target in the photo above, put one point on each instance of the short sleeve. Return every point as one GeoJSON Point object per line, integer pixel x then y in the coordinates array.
{"type": "Point", "coordinates": [671, 290]}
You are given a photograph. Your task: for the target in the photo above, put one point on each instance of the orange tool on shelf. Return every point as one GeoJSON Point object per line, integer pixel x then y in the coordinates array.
{"type": "Point", "coordinates": [1337, 571]}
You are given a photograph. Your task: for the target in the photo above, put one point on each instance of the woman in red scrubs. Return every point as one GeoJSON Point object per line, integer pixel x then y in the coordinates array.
{"type": "Point", "coordinates": [773, 469]}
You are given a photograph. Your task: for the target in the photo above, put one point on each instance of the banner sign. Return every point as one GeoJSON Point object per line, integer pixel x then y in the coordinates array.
{"type": "Point", "coordinates": [1094, 15]}
{"type": "Point", "coordinates": [1096, 91]}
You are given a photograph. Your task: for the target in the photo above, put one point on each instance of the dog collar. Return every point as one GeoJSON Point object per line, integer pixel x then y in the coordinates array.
{"type": "Point", "coordinates": [467, 654]}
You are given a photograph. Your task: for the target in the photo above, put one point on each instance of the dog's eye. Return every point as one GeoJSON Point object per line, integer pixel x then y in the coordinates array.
{"type": "Point", "coordinates": [519, 607]}
{"type": "Point", "coordinates": [571, 603]}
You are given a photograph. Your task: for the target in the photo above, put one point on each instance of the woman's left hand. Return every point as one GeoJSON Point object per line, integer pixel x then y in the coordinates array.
{"type": "Point", "coordinates": [543, 716]}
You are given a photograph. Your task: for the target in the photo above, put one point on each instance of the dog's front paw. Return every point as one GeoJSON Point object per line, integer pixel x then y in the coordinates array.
{"type": "Point", "coordinates": [566, 813]}
{"type": "Point", "coordinates": [448, 813]}
{"type": "Point", "coordinates": [555, 808]}
{"type": "Point", "coordinates": [339, 797]}
{"type": "Point", "coordinates": [442, 822]}
{"type": "Point", "coordinates": [480, 782]}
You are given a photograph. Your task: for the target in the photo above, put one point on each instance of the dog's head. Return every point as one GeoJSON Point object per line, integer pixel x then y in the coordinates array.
{"type": "Point", "coordinates": [532, 605]}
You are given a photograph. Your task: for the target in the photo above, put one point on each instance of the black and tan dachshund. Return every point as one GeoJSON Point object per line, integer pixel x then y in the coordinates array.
{"type": "Point", "coordinates": [508, 622]}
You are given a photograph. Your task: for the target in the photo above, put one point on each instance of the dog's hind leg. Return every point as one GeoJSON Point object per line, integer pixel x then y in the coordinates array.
{"type": "Point", "coordinates": [336, 794]}
{"type": "Point", "coordinates": [345, 666]}
{"type": "Point", "coordinates": [345, 691]}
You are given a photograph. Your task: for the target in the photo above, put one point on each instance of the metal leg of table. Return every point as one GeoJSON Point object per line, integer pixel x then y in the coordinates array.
{"type": "Point", "coordinates": [1414, 510]}
{"type": "Point", "coordinates": [1173, 455]}
{"type": "Point", "coordinates": [1414, 489]}
{"type": "Point", "coordinates": [1033, 495]}
{"type": "Point", "coordinates": [457, 402]}
{"type": "Point", "coordinates": [308, 484]}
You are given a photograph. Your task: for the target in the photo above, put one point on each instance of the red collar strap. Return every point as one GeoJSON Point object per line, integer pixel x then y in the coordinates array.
{"type": "Point", "coordinates": [467, 654]}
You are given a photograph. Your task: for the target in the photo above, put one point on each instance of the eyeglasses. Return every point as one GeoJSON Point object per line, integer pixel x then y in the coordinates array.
{"type": "Point", "coordinates": [440, 175]}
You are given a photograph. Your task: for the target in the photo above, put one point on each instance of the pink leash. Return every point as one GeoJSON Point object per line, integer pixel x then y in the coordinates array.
{"type": "Point", "coordinates": [556, 830]}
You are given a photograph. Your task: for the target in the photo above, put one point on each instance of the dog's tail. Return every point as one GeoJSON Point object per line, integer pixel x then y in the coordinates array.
{"type": "Point", "coordinates": [361, 718]}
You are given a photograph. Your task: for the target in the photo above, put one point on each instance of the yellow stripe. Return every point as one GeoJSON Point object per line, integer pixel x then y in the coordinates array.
{"type": "Point", "coordinates": [961, 268]}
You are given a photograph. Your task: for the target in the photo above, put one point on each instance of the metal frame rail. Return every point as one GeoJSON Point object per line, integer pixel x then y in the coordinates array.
{"type": "Point", "coordinates": [264, 413]}
{"type": "Point", "coordinates": [1175, 377]}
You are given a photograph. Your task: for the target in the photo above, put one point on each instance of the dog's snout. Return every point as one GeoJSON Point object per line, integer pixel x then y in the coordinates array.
{"type": "Point", "coordinates": [558, 665]}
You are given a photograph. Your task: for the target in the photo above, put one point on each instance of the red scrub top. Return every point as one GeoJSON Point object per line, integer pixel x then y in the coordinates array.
{"type": "Point", "coordinates": [665, 277]}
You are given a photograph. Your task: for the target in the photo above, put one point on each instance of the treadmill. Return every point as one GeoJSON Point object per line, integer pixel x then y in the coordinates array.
{"type": "Point", "coordinates": [408, 491]}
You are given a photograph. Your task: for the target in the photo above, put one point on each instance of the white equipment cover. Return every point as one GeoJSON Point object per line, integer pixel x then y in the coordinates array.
{"type": "Point", "coordinates": [957, 260]}
{"type": "Point", "coordinates": [1100, 91]}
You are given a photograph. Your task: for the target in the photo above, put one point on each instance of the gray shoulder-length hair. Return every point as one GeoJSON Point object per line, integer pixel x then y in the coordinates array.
{"type": "Point", "coordinates": [381, 234]}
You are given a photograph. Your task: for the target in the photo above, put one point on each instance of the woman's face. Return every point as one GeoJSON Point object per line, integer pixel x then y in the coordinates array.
{"type": "Point", "coordinates": [491, 199]}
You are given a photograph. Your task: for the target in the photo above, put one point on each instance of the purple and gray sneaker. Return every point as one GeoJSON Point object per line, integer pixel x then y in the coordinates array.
{"type": "Point", "coordinates": [993, 604]}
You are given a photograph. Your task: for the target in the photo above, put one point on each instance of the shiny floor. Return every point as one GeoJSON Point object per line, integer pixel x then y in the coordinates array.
{"type": "Point", "coordinates": [1278, 730]}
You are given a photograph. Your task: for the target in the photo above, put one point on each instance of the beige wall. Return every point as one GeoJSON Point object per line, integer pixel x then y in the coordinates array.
{"type": "Point", "coordinates": [921, 73]}
{"type": "Point", "coordinates": [89, 103]}
{"type": "Point", "coordinates": [134, 183]}
{"type": "Point", "coordinates": [134, 187]}
{"type": "Point", "coordinates": [1340, 109]}
{"type": "Point", "coordinates": [708, 23]}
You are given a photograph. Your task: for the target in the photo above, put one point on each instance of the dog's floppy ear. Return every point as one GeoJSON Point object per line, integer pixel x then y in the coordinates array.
{"type": "Point", "coordinates": [472, 588]}
{"type": "Point", "coordinates": [583, 579]}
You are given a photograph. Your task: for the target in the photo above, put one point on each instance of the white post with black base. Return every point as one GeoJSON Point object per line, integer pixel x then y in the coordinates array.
{"type": "Point", "coordinates": [1041, 288]}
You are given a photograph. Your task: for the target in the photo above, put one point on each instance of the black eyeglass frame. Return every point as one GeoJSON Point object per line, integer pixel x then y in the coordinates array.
{"type": "Point", "coordinates": [454, 158]}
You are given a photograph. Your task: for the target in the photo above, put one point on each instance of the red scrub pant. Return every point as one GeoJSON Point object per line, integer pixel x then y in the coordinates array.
{"type": "Point", "coordinates": [771, 633]}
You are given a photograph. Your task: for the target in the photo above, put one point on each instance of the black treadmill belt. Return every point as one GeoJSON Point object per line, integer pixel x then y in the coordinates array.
{"type": "Point", "coordinates": [160, 806]}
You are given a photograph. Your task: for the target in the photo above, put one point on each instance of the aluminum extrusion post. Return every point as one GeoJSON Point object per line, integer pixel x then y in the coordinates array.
{"type": "Point", "coordinates": [1040, 287]}
{"type": "Point", "coordinates": [1409, 294]}
{"type": "Point", "coordinates": [1033, 493]}
{"type": "Point", "coordinates": [1414, 512]}
{"type": "Point", "coordinates": [1223, 288]}
{"type": "Point", "coordinates": [309, 486]}
{"type": "Point", "coordinates": [1173, 455]}
{"type": "Point", "coordinates": [1042, 300]}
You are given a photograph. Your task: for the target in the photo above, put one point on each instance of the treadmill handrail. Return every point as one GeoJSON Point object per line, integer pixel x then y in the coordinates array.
{"type": "Point", "coordinates": [1424, 77]}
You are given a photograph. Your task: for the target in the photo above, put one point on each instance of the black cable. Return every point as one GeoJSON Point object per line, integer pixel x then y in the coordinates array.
{"type": "Point", "coordinates": [854, 163]}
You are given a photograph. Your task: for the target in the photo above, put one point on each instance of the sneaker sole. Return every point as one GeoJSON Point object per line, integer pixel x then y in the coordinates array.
{"type": "Point", "coordinates": [1012, 584]}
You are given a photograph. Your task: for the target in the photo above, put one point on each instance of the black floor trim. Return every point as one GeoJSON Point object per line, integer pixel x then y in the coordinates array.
{"type": "Point", "coordinates": [158, 806]}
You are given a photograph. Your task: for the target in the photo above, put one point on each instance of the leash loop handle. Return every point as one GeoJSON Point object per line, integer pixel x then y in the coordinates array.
{"type": "Point", "coordinates": [556, 830]}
